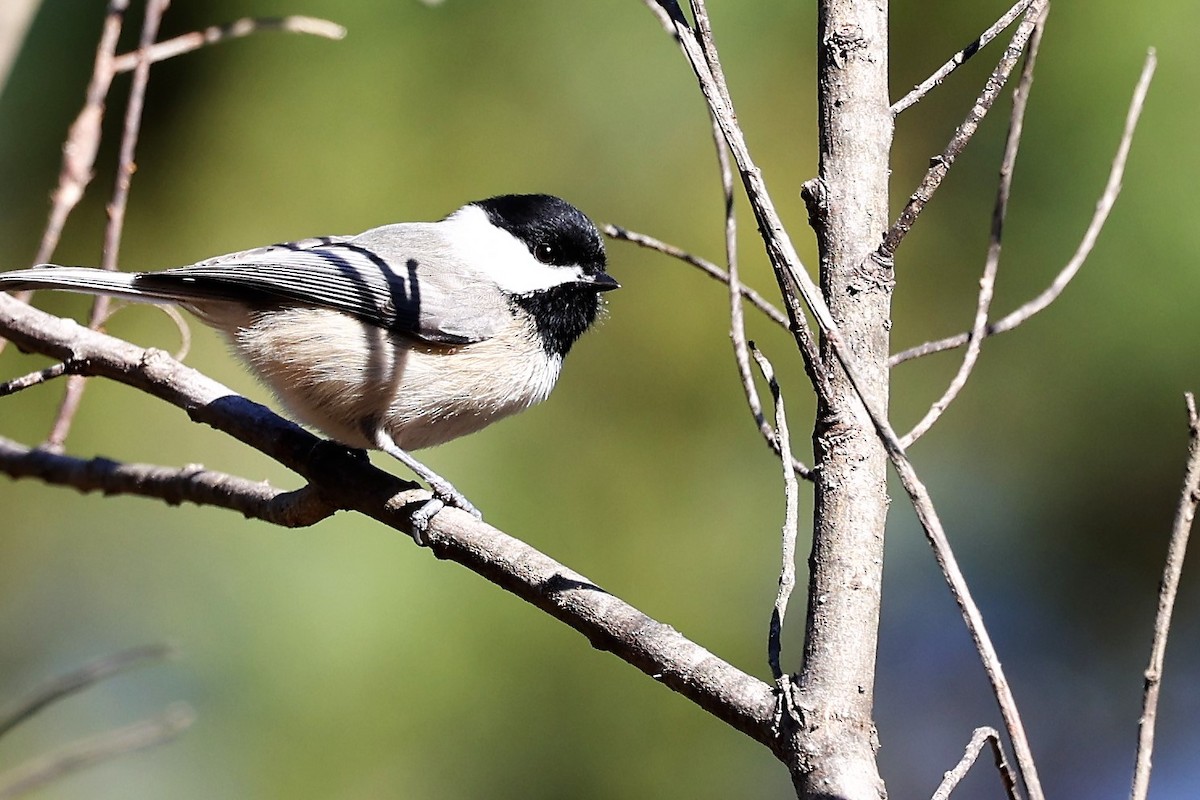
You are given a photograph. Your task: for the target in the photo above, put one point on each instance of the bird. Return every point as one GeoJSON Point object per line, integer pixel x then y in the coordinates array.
{"type": "Point", "coordinates": [399, 338]}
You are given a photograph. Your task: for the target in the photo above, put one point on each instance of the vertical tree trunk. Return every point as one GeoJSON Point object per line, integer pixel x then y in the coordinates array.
{"type": "Point", "coordinates": [850, 204]}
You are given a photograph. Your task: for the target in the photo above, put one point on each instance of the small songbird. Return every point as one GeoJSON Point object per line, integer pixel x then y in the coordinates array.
{"type": "Point", "coordinates": [402, 337]}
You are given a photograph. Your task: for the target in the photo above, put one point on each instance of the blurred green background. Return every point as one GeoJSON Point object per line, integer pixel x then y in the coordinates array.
{"type": "Point", "coordinates": [342, 662]}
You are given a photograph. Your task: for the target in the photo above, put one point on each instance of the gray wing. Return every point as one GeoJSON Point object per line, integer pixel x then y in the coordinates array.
{"type": "Point", "coordinates": [396, 277]}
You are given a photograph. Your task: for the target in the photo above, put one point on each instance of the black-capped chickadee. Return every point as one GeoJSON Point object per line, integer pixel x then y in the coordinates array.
{"type": "Point", "coordinates": [402, 337]}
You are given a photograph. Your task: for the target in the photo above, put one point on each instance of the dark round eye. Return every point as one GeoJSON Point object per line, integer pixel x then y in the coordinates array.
{"type": "Point", "coordinates": [545, 252]}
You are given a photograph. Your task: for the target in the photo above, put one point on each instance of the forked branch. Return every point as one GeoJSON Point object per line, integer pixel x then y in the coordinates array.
{"type": "Point", "coordinates": [1104, 206]}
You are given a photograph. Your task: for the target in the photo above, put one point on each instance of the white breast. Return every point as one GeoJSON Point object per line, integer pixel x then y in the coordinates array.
{"type": "Point", "coordinates": [345, 377]}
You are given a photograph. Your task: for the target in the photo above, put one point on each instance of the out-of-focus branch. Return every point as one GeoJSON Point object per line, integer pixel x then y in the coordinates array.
{"type": "Point", "coordinates": [1185, 514]}
{"type": "Point", "coordinates": [15, 17]}
{"type": "Point", "coordinates": [95, 750]}
{"type": "Point", "coordinates": [91, 673]}
{"type": "Point", "coordinates": [42, 770]}
{"type": "Point", "coordinates": [215, 34]}
{"type": "Point", "coordinates": [1104, 206]}
{"type": "Point", "coordinates": [73, 395]}
{"type": "Point", "coordinates": [83, 138]}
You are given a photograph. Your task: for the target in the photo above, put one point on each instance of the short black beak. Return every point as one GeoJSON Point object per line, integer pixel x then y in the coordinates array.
{"type": "Point", "coordinates": [600, 281]}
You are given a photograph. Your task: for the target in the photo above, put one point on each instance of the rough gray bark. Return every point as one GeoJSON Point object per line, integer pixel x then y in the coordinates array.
{"type": "Point", "coordinates": [835, 754]}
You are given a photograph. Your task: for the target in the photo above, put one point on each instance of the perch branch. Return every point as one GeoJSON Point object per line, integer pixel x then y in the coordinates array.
{"type": "Point", "coordinates": [351, 482]}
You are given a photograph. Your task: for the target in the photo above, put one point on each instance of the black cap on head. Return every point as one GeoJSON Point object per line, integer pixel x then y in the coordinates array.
{"type": "Point", "coordinates": [556, 232]}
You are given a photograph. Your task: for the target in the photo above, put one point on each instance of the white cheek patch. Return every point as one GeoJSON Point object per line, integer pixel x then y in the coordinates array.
{"type": "Point", "coordinates": [502, 257]}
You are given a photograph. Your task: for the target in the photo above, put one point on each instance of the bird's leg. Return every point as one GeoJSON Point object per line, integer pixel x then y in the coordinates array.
{"type": "Point", "coordinates": [444, 492]}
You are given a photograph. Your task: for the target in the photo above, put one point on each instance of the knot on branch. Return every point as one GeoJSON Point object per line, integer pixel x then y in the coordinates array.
{"type": "Point", "coordinates": [815, 195]}
{"type": "Point", "coordinates": [842, 42]}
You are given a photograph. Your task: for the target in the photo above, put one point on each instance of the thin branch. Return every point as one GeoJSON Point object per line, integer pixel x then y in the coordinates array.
{"type": "Point", "coordinates": [704, 265]}
{"type": "Point", "coordinates": [794, 280]}
{"type": "Point", "coordinates": [351, 482]}
{"type": "Point", "coordinates": [757, 300]}
{"type": "Point", "coordinates": [35, 378]}
{"type": "Point", "coordinates": [958, 59]}
{"type": "Point", "coordinates": [737, 321]}
{"type": "Point", "coordinates": [791, 521]}
{"type": "Point", "coordinates": [215, 34]}
{"type": "Point", "coordinates": [193, 484]}
{"type": "Point", "coordinates": [96, 750]}
{"type": "Point", "coordinates": [782, 254]}
{"type": "Point", "coordinates": [987, 284]}
{"type": "Point", "coordinates": [90, 674]}
{"type": "Point", "coordinates": [940, 164]}
{"type": "Point", "coordinates": [1104, 206]}
{"type": "Point", "coordinates": [981, 737]}
{"type": "Point", "coordinates": [73, 396]}
{"type": "Point", "coordinates": [1185, 514]}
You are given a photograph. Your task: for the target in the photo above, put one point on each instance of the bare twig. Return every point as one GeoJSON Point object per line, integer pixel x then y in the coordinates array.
{"type": "Point", "coordinates": [215, 34]}
{"type": "Point", "coordinates": [954, 777]}
{"type": "Point", "coordinates": [73, 395]}
{"type": "Point", "coordinates": [1104, 206]}
{"type": "Point", "coordinates": [958, 59]}
{"type": "Point", "coordinates": [782, 254]}
{"type": "Point", "coordinates": [193, 484]}
{"type": "Point", "coordinates": [35, 378]}
{"type": "Point", "coordinates": [91, 673]}
{"type": "Point", "coordinates": [791, 521]}
{"type": "Point", "coordinates": [95, 750]}
{"type": "Point", "coordinates": [940, 164]}
{"type": "Point", "coordinates": [737, 322]}
{"type": "Point", "coordinates": [794, 280]}
{"type": "Point", "coordinates": [987, 284]}
{"type": "Point", "coordinates": [704, 265]}
{"type": "Point", "coordinates": [1185, 513]}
